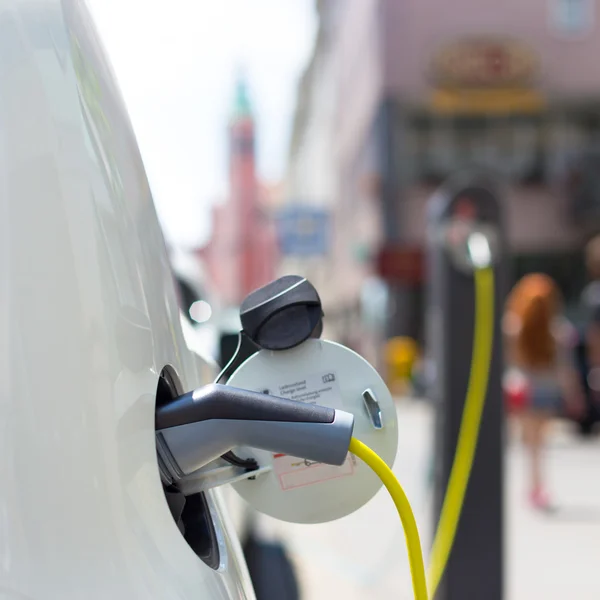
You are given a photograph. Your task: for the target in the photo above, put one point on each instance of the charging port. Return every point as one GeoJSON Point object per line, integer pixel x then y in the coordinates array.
{"type": "Point", "coordinates": [191, 513]}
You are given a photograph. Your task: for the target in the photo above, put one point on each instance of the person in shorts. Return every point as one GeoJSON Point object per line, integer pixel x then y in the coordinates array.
{"type": "Point", "coordinates": [539, 350]}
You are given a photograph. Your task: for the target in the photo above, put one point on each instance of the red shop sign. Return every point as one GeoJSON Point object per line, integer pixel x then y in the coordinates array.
{"type": "Point", "coordinates": [401, 264]}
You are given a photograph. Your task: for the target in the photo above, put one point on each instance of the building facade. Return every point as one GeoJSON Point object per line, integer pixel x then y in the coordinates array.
{"type": "Point", "coordinates": [421, 91]}
{"type": "Point", "coordinates": [322, 135]}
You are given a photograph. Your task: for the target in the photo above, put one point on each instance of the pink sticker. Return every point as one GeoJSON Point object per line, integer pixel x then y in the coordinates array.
{"type": "Point", "coordinates": [293, 472]}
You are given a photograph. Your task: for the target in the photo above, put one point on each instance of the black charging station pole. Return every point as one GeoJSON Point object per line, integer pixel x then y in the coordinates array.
{"type": "Point", "coordinates": [475, 566]}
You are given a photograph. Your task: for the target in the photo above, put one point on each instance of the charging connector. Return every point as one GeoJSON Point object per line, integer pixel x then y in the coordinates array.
{"type": "Point", "coordinates": [202, 425]}
{"type": "Point", "coordinates": [480, 252]}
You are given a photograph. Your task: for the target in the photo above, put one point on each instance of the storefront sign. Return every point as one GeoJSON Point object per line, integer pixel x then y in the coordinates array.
{"type": "Point", "coordinates": [483, 62]}
{"type": "Point", "coordinates": [492, 101]}
{"type": "Point", "coordinates": [401, 264]}
{"type": "Point", "coordinates": [478, 76]}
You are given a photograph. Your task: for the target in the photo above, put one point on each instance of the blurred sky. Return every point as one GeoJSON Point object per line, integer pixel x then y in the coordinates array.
{"type": "Point", "coordinates": [176, 64]}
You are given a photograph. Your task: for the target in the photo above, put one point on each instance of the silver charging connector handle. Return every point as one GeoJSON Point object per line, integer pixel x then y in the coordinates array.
{"type": "Point", "coordinates": [197, 444]}
{"type": "Point", "coordinates": [200, 426]}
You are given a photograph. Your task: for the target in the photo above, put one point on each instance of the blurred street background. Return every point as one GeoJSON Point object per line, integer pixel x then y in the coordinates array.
{"type": "Point", "coordinates": [550, 557]}
{"type": "Point", "coordinates": [307, 137]}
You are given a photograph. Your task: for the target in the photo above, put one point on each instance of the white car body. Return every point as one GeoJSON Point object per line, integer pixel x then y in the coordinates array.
{"type": "Point", "coordinates": [92, 320]}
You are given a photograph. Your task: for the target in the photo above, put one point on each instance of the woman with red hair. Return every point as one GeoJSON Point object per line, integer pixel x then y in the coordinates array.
{"type": "Point", "coordinates": [539, 353]}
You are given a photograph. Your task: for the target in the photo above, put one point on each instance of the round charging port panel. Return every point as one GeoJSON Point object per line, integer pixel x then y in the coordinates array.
{"type": "Point", "coordinates": [329, 374]}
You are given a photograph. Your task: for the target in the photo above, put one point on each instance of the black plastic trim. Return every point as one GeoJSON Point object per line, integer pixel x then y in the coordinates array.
{"type": "Point", "coordinates": [216, 401]}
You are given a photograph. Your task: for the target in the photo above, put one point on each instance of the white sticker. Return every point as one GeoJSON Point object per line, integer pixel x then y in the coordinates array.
{"type": "Point", "coordinates": [293, 472]}
{"type": "Point", "coordinates": [321, 388]}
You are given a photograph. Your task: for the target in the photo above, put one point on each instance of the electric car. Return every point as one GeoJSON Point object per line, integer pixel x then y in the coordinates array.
{"type": "Point", "coordinates": [92, 340]}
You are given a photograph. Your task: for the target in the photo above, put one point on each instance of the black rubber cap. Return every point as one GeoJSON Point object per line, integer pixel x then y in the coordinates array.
{"type": "Point", "coordinates": [282, 314]}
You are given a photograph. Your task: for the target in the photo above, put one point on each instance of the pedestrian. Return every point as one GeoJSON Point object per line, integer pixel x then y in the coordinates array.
{"type": "Point", "coordinates": [592, 369]}
{"type": "Point", "coordinates": [539, 350]}
{"type": "Point", "coordinates": [588, 343]}
{"type": "Point", "coordinates": [591, 293]}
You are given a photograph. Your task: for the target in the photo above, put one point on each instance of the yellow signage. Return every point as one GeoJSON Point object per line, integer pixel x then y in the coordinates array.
{"type": "Point", "coordinates": [486, 101]}
{"type": "Point", "coordinates": [400, 355]}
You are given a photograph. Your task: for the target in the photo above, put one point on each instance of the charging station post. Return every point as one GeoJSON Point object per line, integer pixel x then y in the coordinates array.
{"type": "Point", "coordinates": [475, 565]}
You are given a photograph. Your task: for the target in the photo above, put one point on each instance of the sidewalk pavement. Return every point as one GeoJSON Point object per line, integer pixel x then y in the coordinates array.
{"type": "Point", "coordinates": [548, 557]}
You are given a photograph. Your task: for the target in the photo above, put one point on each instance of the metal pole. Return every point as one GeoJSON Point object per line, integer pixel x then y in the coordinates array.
{"type": "Point", "coordinates": [475, 566]}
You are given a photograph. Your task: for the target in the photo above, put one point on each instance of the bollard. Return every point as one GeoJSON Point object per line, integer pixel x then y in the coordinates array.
{"type": "Point", "coordinates": [475, 566]}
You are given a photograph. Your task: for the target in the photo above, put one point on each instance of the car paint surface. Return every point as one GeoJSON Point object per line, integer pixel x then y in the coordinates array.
{"type": "Point", "coordinates": [91, 319]}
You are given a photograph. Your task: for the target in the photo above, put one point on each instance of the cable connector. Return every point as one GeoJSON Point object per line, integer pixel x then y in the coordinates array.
{"type": "Point", "coordinates": [479, 249]}
{"type": "Point", "coordinates": [202, 425]}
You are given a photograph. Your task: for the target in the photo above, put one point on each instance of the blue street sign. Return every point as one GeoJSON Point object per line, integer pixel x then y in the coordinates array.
{"type": "Point", "coordinates": [303, 231]}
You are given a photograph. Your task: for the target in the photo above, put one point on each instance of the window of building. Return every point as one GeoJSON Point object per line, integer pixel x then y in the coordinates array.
{"type": "Point", "coordinates": [573, 161]}
{"type": "Point", "coordinates": [572, 17]}
{"type": "Point", "coordinates": [511, 146]}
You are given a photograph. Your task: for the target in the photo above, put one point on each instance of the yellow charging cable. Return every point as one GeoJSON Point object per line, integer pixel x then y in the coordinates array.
{"type": "Point", "coordinates": [463, 458]}
{"type": "Point", "coordinates": [469, 427]}
{"type": "Point", "coordinates": [411, 533]}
